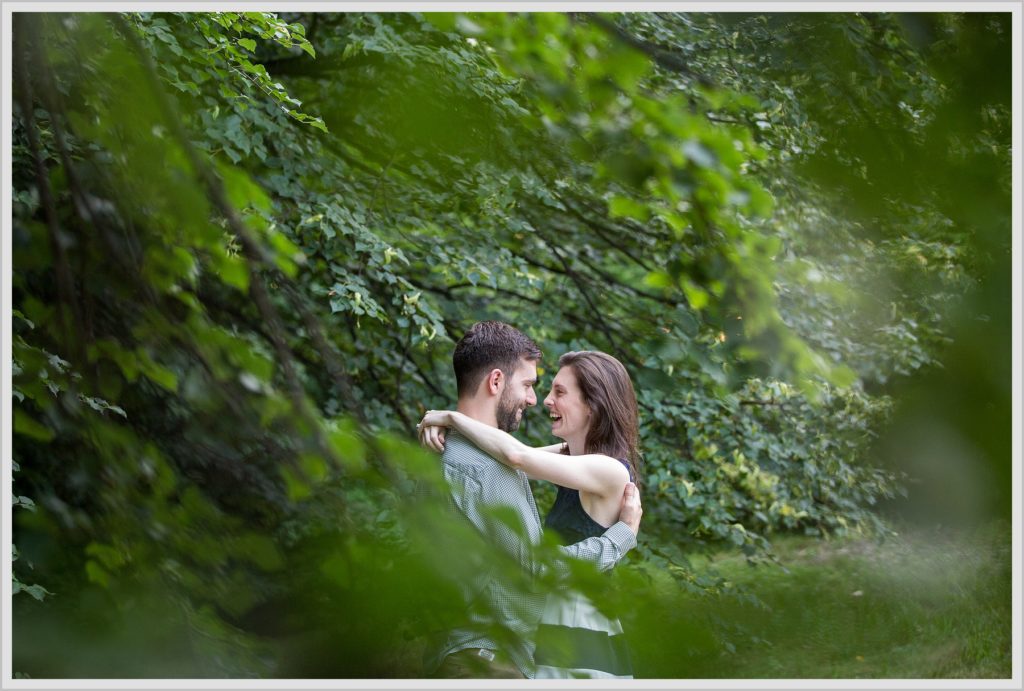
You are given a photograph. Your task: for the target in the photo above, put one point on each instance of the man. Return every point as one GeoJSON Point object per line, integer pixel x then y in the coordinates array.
{"type": "Point", "coordinates": [496, 370]}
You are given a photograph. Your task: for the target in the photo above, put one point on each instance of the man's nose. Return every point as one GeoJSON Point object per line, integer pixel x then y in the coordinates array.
{"type": "Point", "coordinates": [531, 398]}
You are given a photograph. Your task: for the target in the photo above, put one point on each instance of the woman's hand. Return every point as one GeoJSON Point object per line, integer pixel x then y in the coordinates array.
{"type": "Point", "coordinates": [432, 429]}
{"type": "Point", "coordinates": [437, 418]}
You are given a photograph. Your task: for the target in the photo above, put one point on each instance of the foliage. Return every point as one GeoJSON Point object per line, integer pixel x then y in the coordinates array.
{"type": "Point", "coordinates": [244, 245]}
{"type": "Point", "coordinates": [778, 462]}
{"type": "Point", "coordinates": [933, 603]}
{"type": "Point", "coordinates": [17, 586]}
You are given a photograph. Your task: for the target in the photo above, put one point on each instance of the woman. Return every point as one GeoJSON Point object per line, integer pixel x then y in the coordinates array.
{"type": "Point", "coordinates": [593, 409]}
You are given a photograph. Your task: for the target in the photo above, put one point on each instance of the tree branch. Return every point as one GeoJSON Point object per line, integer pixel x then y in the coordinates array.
{"type": "Point", "coordinates": [62, 269]}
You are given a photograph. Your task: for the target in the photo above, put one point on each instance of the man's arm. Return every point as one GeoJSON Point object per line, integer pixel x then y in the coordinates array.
{"type": "Point", "coordinates": [606, 551]}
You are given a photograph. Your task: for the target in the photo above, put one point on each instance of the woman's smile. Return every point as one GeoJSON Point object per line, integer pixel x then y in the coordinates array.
{"type": "Point", "coordinates": [570, 415]}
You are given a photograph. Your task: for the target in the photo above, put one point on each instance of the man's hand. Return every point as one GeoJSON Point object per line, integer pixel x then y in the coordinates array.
{"type": "Point", "coordinates": [631, 511]}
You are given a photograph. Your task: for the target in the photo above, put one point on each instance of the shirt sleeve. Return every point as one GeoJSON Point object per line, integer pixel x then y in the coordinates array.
{"type": "Point", "coordinates": [604, 551]}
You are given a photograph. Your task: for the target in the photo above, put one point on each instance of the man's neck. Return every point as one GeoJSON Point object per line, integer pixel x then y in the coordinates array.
{"type": "Point", "coordinates": [478, 410]}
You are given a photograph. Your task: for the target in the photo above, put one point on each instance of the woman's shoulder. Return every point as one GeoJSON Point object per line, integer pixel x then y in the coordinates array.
{"type": "Point", "coordinates": [613, 463]}
{"type": "Point", "coordinates": [628, 466]}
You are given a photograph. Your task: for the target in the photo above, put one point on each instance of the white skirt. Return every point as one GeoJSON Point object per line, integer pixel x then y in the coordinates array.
{"type": "Point", "coordinates": [576, 641]}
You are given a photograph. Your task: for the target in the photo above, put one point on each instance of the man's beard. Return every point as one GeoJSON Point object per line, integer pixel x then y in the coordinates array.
{"type": "Point", "coordinates": [506, 412]}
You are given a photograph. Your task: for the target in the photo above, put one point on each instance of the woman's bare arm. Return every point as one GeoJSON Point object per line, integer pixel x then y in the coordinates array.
{"type": "Point", "coordinates": [433, 437]}
{"type": "Point", "coordinates": [595, 473]}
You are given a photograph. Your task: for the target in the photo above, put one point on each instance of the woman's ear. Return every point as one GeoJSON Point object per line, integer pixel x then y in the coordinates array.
{"type": "Point", "coordinates": [495, 381]}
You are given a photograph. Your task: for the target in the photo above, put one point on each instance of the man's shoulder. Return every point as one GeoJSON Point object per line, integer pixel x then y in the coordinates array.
{"type": "Point", "coordinates": [462, 454]}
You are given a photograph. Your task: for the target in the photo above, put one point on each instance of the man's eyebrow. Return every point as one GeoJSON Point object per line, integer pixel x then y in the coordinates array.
{"type": "Point", "coordinates": [530, 382]}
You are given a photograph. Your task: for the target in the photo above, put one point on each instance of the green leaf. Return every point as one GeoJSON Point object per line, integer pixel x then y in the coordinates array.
{"type": "Point", "coordinates": [242, 190]}
{"type": "Point", "coordinates": [297, 487]}
{"type": "Point", "coordinates": [345, 442]}
{"type": "Point", "coordinates": [695, 295]}
{"type": "Point", "coordinates": [24, 424]}
{"type": "Point", "coordinates": [842, 376]}
{"type": "Point", "coordinates": [97, 574]}
{"type": "Point", "coordinates": [628, 66]}
{"type": "Point", "coordinates": [248, 44]}
{"type": "Point", "coordinates": [444, 21]}
{"type": "Point", "coordinates": [156, 372]}
{"type": "Point", "coordinates": [36, 591]}
{"type": "Point", "coordinates": [110, 557]}
{"type": "Point", "coordinates": [697, 152]}
{"type": "Point", "coordinates": [22, 317]}
{"type": "Point", "coordinates": [258, 549]}
{"type": "Point", "coordinates": [24, 502]}
{"type": "Point", "coordinates": [234, 270]}
{"type": "Point", "coordinates": [619, 207]}
{"type": "Point", "coordinates": [287, 254]}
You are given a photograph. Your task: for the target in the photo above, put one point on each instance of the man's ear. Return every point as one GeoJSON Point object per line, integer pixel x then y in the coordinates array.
{"type": "Point", "coordinates": [495, 381]}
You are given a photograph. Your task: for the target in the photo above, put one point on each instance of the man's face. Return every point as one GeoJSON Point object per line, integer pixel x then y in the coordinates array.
{"type": "Point", "coordinates": [517, 395]}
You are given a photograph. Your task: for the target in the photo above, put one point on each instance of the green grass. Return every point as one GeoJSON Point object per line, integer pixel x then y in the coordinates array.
{"type": "Point", "coordinates": [927, 604]}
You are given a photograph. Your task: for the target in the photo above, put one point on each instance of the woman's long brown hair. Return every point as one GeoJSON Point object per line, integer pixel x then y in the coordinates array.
{"type": "Point", "coordinates": [608, 391]}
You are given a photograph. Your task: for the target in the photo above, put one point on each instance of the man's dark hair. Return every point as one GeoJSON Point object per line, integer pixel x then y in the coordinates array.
{"type": "Point", "coordinates": [488, 345]}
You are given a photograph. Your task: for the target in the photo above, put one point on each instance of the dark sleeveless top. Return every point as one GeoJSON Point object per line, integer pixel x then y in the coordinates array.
{"type": "Point", "coordinates": [568, 519]}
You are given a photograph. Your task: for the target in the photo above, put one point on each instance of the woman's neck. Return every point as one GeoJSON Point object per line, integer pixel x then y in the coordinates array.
{"type": "Point", "coordinates": [576, 446]}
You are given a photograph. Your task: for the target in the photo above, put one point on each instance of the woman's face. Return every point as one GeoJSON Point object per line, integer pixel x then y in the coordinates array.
{"type": "Point", "coordinates": [570, 415]}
